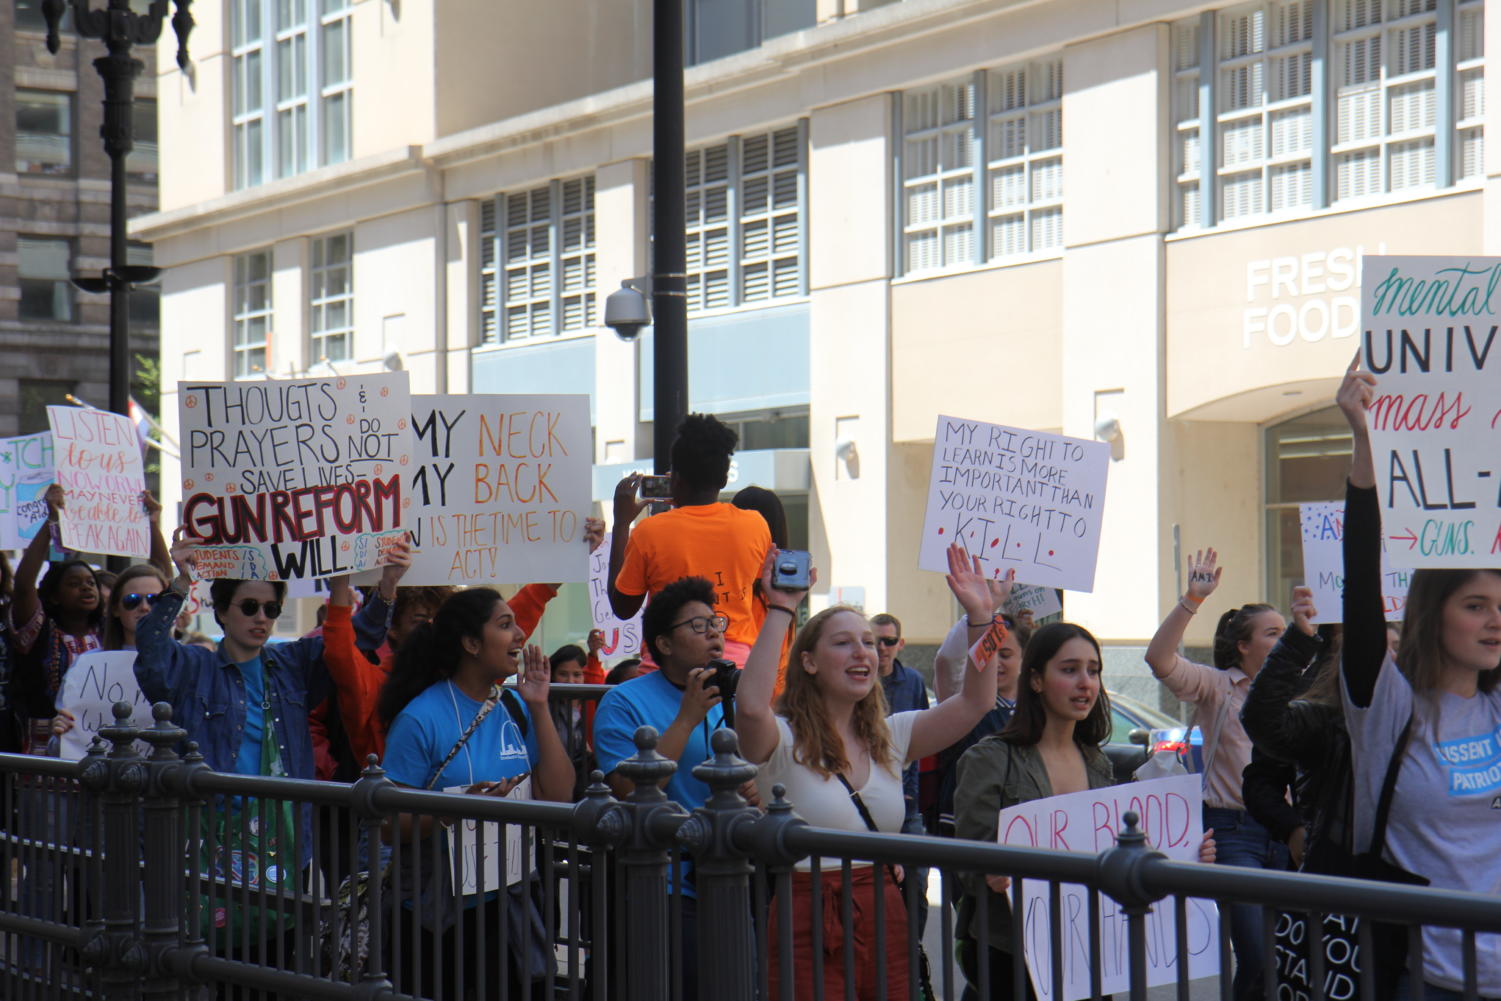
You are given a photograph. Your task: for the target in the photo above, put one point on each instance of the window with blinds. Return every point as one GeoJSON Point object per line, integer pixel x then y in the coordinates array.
{"type": "Point", "coordinates": [1187, 158]}
{"type": "Point", "coordinates": [745, 203]}
{"type": "Point", "coordinates": [1469, 98]}
{"type": "Point", "coordinates": [1002, 129]}
{"type": "Point", "coordinates": [331, 299]}
{"type": "Point", "coordinates": [251, 319]}
{"type": "Point", "coordinates": [537, 262]}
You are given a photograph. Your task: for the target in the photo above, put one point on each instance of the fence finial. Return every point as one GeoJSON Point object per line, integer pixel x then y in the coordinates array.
{"type": "Point", "coordinates": [647, 768]}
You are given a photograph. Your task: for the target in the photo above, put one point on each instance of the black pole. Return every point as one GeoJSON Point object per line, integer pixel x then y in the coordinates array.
{"type": "Point", "coordinates": [669, 253]}
{"type": "Point", "coordinates": [118, 70]}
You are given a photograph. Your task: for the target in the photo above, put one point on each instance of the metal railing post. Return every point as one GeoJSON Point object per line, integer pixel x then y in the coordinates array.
{"type": "Point", "coordinates": [119, 778]}
{"type": "Point", "coordinates": [722, 873]}
{"type": "Point", "coordinates": [1121, 877]}
{"type": "Point", "coordinates": [162, 917]}
{"type": "Point", "coordinates": [651, 822]}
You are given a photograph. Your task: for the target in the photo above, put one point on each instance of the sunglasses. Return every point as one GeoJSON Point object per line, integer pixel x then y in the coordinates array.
{"type": "Point", "coordinates": [133, 601]}
{"type": "Point", "coordinates": [249, 607]}
{"type": "Point", "coordinates": [888, 640]}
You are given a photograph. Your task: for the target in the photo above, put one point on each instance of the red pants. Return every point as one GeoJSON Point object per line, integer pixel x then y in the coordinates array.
{"type": "Point", "coordinates": [862, 934]}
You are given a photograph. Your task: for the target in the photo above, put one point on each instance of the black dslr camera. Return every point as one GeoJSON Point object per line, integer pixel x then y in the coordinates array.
{"type": "Point", "coordinates": [725, 678]}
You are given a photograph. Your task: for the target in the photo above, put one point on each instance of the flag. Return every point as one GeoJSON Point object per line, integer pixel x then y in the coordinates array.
{"type": "Point", "coordinates": [143, 423]}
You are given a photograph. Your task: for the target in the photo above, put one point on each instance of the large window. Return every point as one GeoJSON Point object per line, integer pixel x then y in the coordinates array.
{"type": "Point", "coordinates": [331, 299]}
{"type": "Point", "coordinates": [982, 167]}
{"type": "Point", "coordinates": [716, 28]}
{"type": "Point", "coordinates": [44, 132]}
{"type": "Point", "coordinates": [537, 262]}
{"type": "Point", "coordinates": [252, 313]}
{"type": "Point", "coordinates": [36, 396]}
{"type": "Point", "coordinates": [291, 86]}
{"type": "Point", "coordinates": [145, 299]}
{"type": "Point", "coordinates": [43, 267]}
{"type": "Point", "coordinates": [142, 163]}
{"type": "Point", "coordinates": [1400, 108]}
{"type": "Point", "coordinates": [745, 201]}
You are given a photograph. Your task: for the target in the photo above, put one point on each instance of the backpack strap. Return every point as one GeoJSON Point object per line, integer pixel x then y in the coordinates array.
{"type": "Point", "coordinates": [518, 714]}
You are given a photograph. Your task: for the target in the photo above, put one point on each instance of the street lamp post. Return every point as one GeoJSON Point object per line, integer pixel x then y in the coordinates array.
{"type": "Point", "coordinates": [669, 287]}
{"type": "Point", "coordinates": [120, 28]}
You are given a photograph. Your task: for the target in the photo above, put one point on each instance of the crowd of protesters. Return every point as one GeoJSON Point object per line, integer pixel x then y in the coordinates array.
{"type": "Point", "coordinates": [442, 688]}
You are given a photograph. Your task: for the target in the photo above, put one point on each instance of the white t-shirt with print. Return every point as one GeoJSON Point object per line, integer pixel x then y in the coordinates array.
{"type": "Point", "coordinates": [824, 802]}
{"type": "Point", "coordinates": [1446, 812]}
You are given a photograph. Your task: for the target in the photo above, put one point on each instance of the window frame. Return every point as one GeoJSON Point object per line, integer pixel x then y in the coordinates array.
{"type": "Point", "coordinates": [318, 303]}
{"type": "Point", "coordinates": [242, 316]}
{"type": "Point", "coordinates": [60, 281]}
{"type": "Point", "coordinates": [550, 303]}
{"type": "Point", "coordinates": [68, 102]}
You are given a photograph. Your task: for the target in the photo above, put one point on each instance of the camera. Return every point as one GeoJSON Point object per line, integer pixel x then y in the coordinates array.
{"type": "Point", "coordinates": [792, 570]}
{"type": "Point", "coordinates": [626, 310]}
{"type": "Point", "coordinates": [656, 488]}
{"type": "Point", "coordinates": [725, 679]}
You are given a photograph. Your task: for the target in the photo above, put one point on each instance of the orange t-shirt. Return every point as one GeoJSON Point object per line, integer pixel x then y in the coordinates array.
{"type": "Point", "coordinates": [721, 542]}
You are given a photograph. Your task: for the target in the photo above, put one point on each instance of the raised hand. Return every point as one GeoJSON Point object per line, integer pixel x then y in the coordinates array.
{"type": "Point", "coordinates": [152, 506]}
{"type": "Point", "coordinates": [967, 580]}
{"type": "Point", "coordinates": [1000, 589]}
{"type": "Point", "coordinates": [398, 562]}
{"type": "Point", "coordinates": [1203, 574]}
{"type": "Point", "coordinates": [54, 498]}
{"type": "Point", "coordinates": [1355, 395]}
{"type": "Point", "coordinates": [535, 679]}
{"type": "Point", "coordinates": [1304, 610]}
{"type": "Point", "coordinates": [596, 640]}
{"type": "Point", "coordinates": [627, 504]}
{"type": "Point", "coordinates": [185, 552]}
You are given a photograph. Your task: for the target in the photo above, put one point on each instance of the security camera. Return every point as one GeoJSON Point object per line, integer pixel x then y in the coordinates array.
{"type": "Point", "coordinates": [627, 309]}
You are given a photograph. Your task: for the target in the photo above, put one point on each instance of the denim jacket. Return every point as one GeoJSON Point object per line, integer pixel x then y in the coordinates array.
{"type": "Point", "coordinates": [207, 692]}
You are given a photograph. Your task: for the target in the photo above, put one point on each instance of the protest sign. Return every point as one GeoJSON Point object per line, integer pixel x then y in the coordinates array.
{"type": "Point", "coordinates": [621, 635]}
{"type": "Point", "coordinates": [1024, 500]}
{"type": "Point", "coordinates": [500, 489]}
{"type": "Point", "coordinates": [1040, 601]}
{"type": "Point", "coordinates": [1430, 338]}
{"type": "Point", "coordinates": [1323, 528]}
{"type": "Point", "coordinates": [99, 467]}
{"type": "Point", "coordinates": [300, 478]}
{"type": "Point", "coordinates": [26, 471]}
{"type": "Point", "coordinates": [987, 646]}
{"type": "Point", "coordinates": [469, 838]}
{"type": "Point", "coordinates": [1170, 815]}
{"type": "Point", "coordinates": [94, 683]}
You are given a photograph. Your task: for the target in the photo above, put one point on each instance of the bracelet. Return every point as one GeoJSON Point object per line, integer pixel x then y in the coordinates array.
{"type": "Point", "coordinates": [770, 605]}
{"type": "Point", "coordinates": [1190, 609]}
{"type": "Point", "coordinates": [979, 625]}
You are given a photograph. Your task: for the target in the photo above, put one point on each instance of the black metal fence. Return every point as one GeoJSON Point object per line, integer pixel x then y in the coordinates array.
{"type": "Point", "coordinates": [151, 877]}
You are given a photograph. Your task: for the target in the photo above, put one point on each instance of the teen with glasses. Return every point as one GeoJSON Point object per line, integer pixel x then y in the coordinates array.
{"type": "Point", "coordinates": [683, 632]}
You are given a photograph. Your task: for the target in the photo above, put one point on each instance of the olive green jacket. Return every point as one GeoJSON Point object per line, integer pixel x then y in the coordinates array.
{"type": "Point", "coordinates": [992, 776]}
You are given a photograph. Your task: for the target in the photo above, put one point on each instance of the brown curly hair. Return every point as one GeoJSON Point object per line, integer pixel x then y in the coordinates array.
{"type": "Point", "coordinates": [815, 745]}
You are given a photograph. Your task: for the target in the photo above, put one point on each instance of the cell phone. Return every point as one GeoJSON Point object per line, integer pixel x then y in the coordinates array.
{"type": "Point", "coordinates": [656, 488]}
{"type": "Point", "coordinates": [791, 570]}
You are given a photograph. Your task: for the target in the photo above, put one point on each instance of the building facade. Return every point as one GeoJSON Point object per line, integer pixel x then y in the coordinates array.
{"type": "Point", "coordinates": [54, 219]}
{"type": "Point", "coordinates": [1055, 214]}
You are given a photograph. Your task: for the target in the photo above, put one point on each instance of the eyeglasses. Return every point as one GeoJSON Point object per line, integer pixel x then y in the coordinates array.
{"type": "Point", "coordinates": [133, 601]}
{"type": "Point", "coordinates": [249, 607]}
{"type": "Point", "coordinates": [888, 640]}
{"type": "Point", "coordinates": [701, 623]}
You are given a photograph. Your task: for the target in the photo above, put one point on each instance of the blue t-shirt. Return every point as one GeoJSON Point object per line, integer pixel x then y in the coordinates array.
{"type": "Point", "coordinates": [248, 761]}
{"type": "Point", "coordinates": [426, 730]}
{"type": "Point", "coordinates": [652, 700]}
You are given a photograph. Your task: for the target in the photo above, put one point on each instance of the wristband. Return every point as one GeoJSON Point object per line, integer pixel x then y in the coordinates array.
{"type": "Point", "coordinates": [771, 605]}
{"type": "Point", "coordinates": [979, 625]}
{"type": "Point", "coordinates": [1190, 609]}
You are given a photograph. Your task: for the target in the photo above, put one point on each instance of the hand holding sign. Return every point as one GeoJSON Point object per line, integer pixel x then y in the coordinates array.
{"type": "Point", "coordinates": [1304, 610]}
{"type": "Point", "coordinates": [1354, 397]}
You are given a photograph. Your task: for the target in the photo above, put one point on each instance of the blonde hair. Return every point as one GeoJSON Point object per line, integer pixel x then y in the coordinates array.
{"type": "Point", "coordinates": [815, 745]}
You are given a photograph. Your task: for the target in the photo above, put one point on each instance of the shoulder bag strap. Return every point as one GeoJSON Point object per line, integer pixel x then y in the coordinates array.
{"type": "Point", "coordinates": [870, 821]}
{"type": "Point", "coordinates": [1213, 739]}
{"type": "Point", "coordinates": [1389, 788]}
{"type": "Point", "coordinates": [453, 752]}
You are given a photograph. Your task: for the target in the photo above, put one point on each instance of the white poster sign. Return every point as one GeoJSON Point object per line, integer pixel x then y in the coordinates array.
{"type": "Point", "coordinates": [1323, 529]}
{"type": "Point", "coordinates": [465, 836]}
{"type": "Point", "coordinates": [1040, 601]}
{"type": "Point", "coordinates": [1431, 338]}
{"type": "Point", "coordinates": [621, 635]}
{"type": "Point", "coordinates": [94, 683]}
{"type": "Point", "coordinates": [26, 471]}
{"type": "Point", "coordinates": [299, 478]}
{"type": "Point", "coordinates": [501, 489]}
{"type": "Point", "coordinates": [1170, 812]}
{"type": "Point", "coordinates": [1023, 500]}
{"type": "Point", "coordinates": [99, 466]}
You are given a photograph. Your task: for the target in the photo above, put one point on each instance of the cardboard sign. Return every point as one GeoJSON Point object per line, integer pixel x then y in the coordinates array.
{"type": "Point", "coordinates": [1041, 601]}
{"type": "Point", "coordinates": [26, 471]}
{"type": "Point", "coordinates": [94, 683]}
{"type": "Point", "coordinates": [300, 478]}
{"type": "Point", "coordinates": [1170, 812]}
{"type": "Point", "coordinates": [1024, 500]}
{"type": "Point", "coordinates": [622, 636]}
{"type": "Point", "coordinates": [1323, 527]}
{"type": "Point", "coordinates": [501, 488]}
{"type": "Point", "coordinates": [465, 837]}
{"type": "Point", "coordinates": [98, 460]}
{"type": "Point", "coordinates": [1431, 337]}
